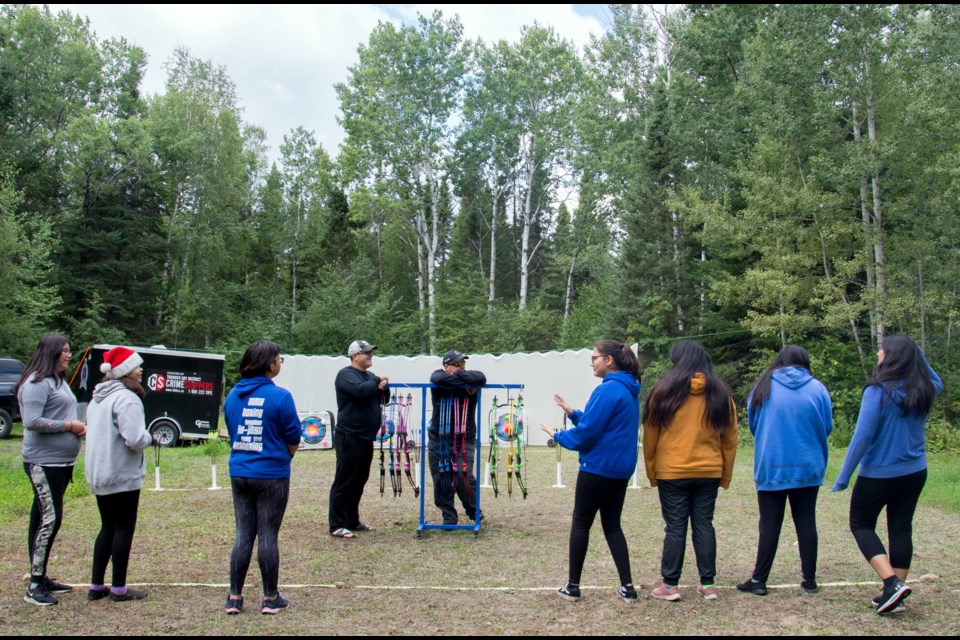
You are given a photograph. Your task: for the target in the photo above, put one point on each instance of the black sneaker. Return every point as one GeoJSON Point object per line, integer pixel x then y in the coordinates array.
{"type": "Point", "coordinates": [55, 587]}
{"type": "Point", "coordinates": [234, 605]}
{"type": "Point", "coordinates": [756, 588]}
{"type": "Point", "coordinates": [900, 608]}
{"type": "Point", "coordinates": [629, 594]}
{"type": "Point", "coordinates": [274, 605]}
{"type": "Point", "coordinates": [810, 586]}
{"type": "Point", "coordinates": [97, 594]}
{"type": "Point", "coordinates": [39, 596]}
{"type": "Point", "coordinates": [892, 596]}
{"type": "Point", "coordinates": [131, 594]}
{"type": "Point", "coordinates": [570, 592]}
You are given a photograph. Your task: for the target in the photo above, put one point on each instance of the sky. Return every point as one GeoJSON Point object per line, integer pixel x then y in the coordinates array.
{"type": "Point", "coordinates": [285, 59]}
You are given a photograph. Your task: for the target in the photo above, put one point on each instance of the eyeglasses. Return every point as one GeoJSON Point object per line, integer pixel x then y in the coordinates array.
{"type": "Point", "coordinates": [281, 359]}
{"type": "Point", "coordinates": [592, 358]}
{"type": "Point", "coordinates": [67, 353]}
{"type": "Point", "coordinates": [462, 363]}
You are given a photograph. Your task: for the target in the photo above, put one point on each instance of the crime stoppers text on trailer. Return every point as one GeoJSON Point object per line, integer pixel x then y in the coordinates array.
{"type": "Point", "coordinates": [184, 390]}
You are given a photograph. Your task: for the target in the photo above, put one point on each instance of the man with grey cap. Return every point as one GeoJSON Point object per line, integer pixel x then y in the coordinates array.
{"type": "Point", "coordinates": [360, 393]}
{"type": "Point", "coordinates": [454, 382]}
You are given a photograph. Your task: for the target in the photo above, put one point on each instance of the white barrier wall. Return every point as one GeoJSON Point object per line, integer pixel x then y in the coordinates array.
{"type": "Point", "coordinates": [568, 373]}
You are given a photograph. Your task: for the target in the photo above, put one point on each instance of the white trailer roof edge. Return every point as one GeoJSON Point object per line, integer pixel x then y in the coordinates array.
{"type": "Point", "coordinates": [166, 352]}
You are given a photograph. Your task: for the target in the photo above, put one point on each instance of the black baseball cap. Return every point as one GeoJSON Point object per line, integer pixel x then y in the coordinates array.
{"type": "Point", "coordinates": [453, 356]}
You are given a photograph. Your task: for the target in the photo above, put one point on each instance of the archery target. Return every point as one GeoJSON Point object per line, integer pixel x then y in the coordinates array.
{"type": "Point", "coordinates": [316, 430]}
{"type": "Point", "coordinates": [509, 428]}
{"type": "Point", "coordinates": [386, 431]}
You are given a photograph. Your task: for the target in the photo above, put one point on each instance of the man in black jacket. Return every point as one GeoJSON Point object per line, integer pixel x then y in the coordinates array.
{"type": "Point", "coordinates": [454, 398]}
{"type": "Point", "coordinates": [360, 394]}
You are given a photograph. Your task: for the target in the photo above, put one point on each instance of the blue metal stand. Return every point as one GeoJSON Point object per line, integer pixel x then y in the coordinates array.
{"type": "Point", "coordinates": [425, 461]}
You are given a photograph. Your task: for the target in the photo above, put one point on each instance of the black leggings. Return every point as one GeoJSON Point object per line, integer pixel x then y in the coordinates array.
{"type": "Point", "coordinates": [899, 495]}
{"type": "Point", "coordinates": [118, 521]}
{"type": "Point", "coordinates": [259, 505]}
{"type": "Point", "coordinates": [803, 509]}
{"type": "Point", "coordinates": [46, 514]}
{"type": "Point", "coordinates": [596, 493]}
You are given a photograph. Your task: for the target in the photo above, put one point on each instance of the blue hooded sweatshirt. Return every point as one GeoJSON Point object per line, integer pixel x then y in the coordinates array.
{"type": "Point", "coordinates": [791, 430]}
{"type": "Point", "coordinates": [886, 443]}
{"type": "Point", "coordinates": [606, 432]}
{"type": "Point", "coordinates": [262, 420]}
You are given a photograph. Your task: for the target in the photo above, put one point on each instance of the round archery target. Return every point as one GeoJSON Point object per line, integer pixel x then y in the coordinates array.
{"type": "Point", "coordinates": [386, 431]}
{"type": "Point", "coordinates": [509, 428]}
{"type": "Point", "coordinates": [312, 430]}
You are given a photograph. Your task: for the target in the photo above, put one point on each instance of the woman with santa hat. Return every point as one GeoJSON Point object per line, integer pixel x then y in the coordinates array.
{"type": "Point", "coordinates": [115, 466]}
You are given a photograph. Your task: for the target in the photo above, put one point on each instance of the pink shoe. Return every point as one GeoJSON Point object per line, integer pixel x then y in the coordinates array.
{"type": "Point", "coordinates": [708, 593]}
{"type": "Point", "coordinates": [666, 592]}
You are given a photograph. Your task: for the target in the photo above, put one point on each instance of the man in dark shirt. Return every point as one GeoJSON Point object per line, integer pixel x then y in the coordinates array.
{"type": "Point", "coordinates": [454, 383]}
{"type": "Point", "coordinates": [360, 393]}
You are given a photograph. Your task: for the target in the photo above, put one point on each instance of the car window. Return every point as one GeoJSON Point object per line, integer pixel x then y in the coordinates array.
{"type": "Point", "coordinates": [9, 367]}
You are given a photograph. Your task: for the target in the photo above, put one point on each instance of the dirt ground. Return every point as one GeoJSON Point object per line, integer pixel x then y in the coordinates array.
{"type": "Point", "coordinates": [503, 583]}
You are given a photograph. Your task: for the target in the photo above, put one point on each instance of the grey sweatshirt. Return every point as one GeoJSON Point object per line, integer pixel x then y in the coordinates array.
{"type": "Point", "coordinates": [45, 408]}
{"type": "Point", "coordinates": [116, 437]}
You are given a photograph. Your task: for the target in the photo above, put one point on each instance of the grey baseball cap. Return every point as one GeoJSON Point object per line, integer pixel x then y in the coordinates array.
{"type": "Point", "coordinates": [360, 346]}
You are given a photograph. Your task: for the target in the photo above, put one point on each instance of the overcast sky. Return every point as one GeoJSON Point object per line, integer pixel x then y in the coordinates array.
{"type": "Point", "coordinates": [285, 59]}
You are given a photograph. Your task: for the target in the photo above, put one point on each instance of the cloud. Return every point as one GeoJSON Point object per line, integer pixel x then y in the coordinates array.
{"type": "Point", "coordinates": [285, 59]}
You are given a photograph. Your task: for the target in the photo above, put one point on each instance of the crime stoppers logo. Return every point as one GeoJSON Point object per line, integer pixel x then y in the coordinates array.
{"type": "Point", "coordinates": [157, 382]}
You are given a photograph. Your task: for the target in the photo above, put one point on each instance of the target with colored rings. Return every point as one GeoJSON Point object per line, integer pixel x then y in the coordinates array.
{"type": "Point", "coordinates": [312, 430]}
{"type": "Point", "coordinates": [386, 431]}
{"type": "Point", "coordinates": [508, 429]}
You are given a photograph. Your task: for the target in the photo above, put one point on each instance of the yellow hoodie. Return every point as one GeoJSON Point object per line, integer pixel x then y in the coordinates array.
{"type": "Point", "coordinates": [688, 447]}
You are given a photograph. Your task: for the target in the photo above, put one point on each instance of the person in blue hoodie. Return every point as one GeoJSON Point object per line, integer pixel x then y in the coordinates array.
{"type": "Point", "coordinates": [790, 417]}
{"type": "Point", "coordinates": [605, 433]}
{"type": "Point", "coordinates": [264, 436]}
{"type": "Point", "coordinates": [889, 444]}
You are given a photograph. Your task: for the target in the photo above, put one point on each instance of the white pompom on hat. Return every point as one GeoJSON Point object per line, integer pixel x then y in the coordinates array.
{"type": "Point", "coordinates": [120, 361]}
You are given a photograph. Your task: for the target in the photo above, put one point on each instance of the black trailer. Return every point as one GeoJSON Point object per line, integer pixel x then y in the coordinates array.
{"type": "Point", "coordinates": [184, 390]}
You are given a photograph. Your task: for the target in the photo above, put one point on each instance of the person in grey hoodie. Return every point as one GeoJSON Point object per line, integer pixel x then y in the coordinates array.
{"type": "Point", "coordinates": [51, 442]}
{"type": "Point", "coordinates": [116, 438]}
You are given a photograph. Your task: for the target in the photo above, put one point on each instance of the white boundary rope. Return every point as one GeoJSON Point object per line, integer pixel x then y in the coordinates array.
{"type": "Point", "coordinates": [225, 585]}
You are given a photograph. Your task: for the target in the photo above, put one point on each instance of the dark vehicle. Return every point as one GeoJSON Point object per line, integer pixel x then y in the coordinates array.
{"type": "Point", "coordinates": [184, 390]}
{"type": "Point", "coordinates": [10, 371]}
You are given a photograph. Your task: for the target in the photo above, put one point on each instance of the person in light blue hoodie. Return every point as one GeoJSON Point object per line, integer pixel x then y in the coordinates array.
{"type": "Point", "coordinates": [790, 417]}
{"type": "Point", "coordinates": [605, 433]}
{"type": "Point", "coordinates": [890, 446]}
{"type": "Point", "coordinates": [264, 436]}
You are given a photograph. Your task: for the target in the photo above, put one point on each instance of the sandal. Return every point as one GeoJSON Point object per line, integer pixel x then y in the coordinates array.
{"type": "Point", "coordinates": [343, 533]}
{"type": "Point", "coordinates": [364, 527]}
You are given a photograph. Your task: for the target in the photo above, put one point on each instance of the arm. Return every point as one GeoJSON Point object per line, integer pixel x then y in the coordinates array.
{"type": "Point", "coordinates": [590, 423]}
{"type": "Point", "coordinates": [867, 424]}
{"type": "Point", "coordinates": [356, 385]}
{"type": "Point", "coordinates": [728, 448]}
{"type": "Point", "coordinates": [289, 423]}
{"type": "Point", "coordinates": [934, 378]}
{"type": "Point", "coordinates": [826, 410]}
{"type": "Point", "coordinates": [131, 423]}
{"type": "Point", "coordinates": [650, 436]}
{"type": "Point", "coordinates": [33, 399]}
{"type": "Point", "coordinates": [753, 415]}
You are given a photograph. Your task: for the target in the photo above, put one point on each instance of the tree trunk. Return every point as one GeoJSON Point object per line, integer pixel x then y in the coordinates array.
{"type": "Point", "coordinates": [866, 224]}
{"type": "Point", "coordinates": [878, 253]}
{"type": "Point", "coordinates": [569, 294]}
{"type": "Point", "coordinates": [675, 217]}
{"type": "Point", "coordinates": [525, 241]}
{"type": "Point", "coordinates": [923, 305]}
{"type": "Point", "coordinates": [493, 253]}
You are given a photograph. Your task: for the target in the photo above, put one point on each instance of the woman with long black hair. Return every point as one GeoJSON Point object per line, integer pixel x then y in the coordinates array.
{"type": "Point", "coordinates": [51, 442]}
{"type": "Point", "coordinates": [689, 445]}
{"type": "Point", "coordinates": [605, 433]}
{"type": "Point", "coordinates": [889, 445]}
{"type": "Point", "coordinates": [790, 417]}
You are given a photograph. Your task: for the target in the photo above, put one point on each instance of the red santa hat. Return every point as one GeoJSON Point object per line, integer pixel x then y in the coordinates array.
{"type": "Point", "coordinates": [120, 361]}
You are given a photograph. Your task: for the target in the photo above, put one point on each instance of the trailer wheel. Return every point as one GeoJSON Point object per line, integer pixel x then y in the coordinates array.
{"type": "Point", "coordinates": [6, 424]}
{"type": "Point", "coordinates": [165, 432]}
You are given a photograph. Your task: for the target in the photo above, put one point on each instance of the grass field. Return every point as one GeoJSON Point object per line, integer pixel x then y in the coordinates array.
{"type": "Point", "coordinates": [450, 583]}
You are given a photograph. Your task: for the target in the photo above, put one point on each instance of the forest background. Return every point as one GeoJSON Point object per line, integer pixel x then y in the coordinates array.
{"type": "Point", "coordinates": [744, 175]}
